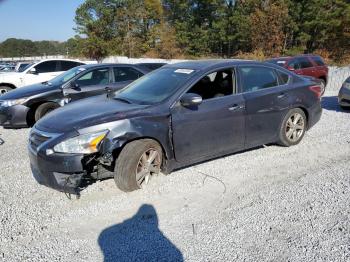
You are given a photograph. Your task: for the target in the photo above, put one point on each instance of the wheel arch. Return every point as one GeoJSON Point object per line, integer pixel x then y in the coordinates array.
{"type": "Point", "coordinates": [33, 107]}
{"type": "Point", "coordinates": [8, 85]}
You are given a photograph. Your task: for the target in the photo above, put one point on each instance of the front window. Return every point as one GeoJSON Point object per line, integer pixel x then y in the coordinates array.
{"type": "Point", "coordinates": [155, 87]}
{"type": "Point", "coordinates": [216, 84]}
{"type": "Point", "coordinates": [68, 75]}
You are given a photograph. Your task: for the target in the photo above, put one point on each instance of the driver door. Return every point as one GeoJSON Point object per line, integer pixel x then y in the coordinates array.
{"type": "Point", "coordinates": [214, 127]}
{"type": "Point", "coordinates": [91, 83]}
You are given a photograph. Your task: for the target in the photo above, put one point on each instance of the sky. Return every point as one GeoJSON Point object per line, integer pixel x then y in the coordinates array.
{"type": "Point", "coordinates": [37, 19]}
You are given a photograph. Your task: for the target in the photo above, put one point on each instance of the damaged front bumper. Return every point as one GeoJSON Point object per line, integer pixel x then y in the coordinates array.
{"type": "Point", "coordinates": [63, 172]}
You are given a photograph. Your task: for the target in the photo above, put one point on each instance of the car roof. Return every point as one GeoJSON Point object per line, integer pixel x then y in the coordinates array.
{"type": "Point", "coordinates": [214, 63]}
{"type": "Point", "coordinates": [106, 64]}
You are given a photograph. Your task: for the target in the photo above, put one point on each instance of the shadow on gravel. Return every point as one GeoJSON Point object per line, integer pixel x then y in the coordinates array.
{"type": "Point", "coordinates": [331, 103]}
{"type": "Point", "coordinates": [138, 239]}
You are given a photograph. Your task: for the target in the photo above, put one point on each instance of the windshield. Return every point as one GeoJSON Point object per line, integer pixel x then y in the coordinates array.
{"type": "Point", "coordinates": [155, 87]}
{"type": "Point", "coordinates": [23, 67]}
{"type": "Point", "coordinates": [66, 76]}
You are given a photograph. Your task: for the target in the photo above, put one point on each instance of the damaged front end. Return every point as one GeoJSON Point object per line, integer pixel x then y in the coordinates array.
{"type": "Point", "coordinates": [66, 172]}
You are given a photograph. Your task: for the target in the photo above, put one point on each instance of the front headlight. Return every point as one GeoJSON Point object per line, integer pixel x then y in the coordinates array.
{"type": "Point", "coordinates": [83, 144]}
{"type": "Point", "coordinates": [8, 103]}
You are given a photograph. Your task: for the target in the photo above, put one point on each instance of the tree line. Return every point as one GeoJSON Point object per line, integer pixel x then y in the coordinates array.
{"type": "Point", "coordinates": [210, 28]}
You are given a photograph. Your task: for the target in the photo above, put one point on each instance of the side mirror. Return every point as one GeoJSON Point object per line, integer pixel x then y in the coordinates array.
{"type": "Point", "coordinates": [191, 99]}
{"type": "Point", "coordinates": [32, 71]}
{"type": "Point", "coordinates": [74, 85]}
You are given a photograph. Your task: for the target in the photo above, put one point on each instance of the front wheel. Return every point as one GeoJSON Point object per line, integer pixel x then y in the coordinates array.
{"type": "Point", "coordinates": [137, 163]}
{"type": "Point", "coordinates": [293, 127]}
{"type": "Point", "coordinates": [44, 109]}
{"type": "Point", "coordinates": [4, 89]}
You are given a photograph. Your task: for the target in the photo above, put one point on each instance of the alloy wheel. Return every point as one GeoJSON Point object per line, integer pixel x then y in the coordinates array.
{"type": "Point", "coordinates": [149, 164]}
{"type": "Point", "coordinates": [295, 127]}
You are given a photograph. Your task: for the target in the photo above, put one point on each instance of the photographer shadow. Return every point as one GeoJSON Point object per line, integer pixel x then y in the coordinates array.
{"type": "Point", "coordinates": [138, 239]}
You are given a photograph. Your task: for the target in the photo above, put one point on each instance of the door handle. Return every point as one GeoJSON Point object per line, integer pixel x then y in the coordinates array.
{"type": "Point", "coordinates": [280, 96]}
{"type": "Point", "coordinates": [236, 107]}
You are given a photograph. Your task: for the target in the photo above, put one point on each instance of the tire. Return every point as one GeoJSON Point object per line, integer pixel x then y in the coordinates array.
{"type": "Point", "coordinates": [293, 127]}
{"type": "Point", "coordinates": [4, 89]}
{"type": "Point", "coordinates": [128, 175]}
{"type": "Point", "coordinates": [323, 86]}
{"type": "Point", "coordinates": [44, 109]}
{"type": "Point", "coordinates": [346, 108]}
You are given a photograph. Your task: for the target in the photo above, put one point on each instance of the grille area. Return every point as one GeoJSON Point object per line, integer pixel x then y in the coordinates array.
{"type": "Point", "coordinates": [36, 139]}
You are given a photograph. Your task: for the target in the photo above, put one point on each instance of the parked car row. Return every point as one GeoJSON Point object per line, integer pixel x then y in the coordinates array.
{"type": "Point", "coordinates": [307, 65]}
{"type": "Point", "coordinates": [25, 106]}
{"type": "Point", "coordinates": [38, 72]}
{"type": "Point", "coordinates": [172, 117]}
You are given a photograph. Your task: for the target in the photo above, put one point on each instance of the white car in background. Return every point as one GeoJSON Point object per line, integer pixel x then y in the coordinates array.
{"type": "Point", "coordinates": [38, 72]}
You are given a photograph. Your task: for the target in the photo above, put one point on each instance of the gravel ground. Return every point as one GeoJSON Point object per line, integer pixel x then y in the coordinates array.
{"type": "Point", "coordinates": [266, 204]}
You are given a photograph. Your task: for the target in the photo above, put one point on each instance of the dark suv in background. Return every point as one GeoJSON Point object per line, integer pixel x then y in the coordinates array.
{"type": "Point", "coordinates": [308, 65]}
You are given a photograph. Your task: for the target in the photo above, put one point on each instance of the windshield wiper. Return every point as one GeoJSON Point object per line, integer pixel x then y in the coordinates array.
{"type": "Point", "coordinates": [123, 100]}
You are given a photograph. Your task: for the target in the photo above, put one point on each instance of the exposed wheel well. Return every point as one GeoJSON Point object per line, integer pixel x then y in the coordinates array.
{"type": "Point", "coordinates": [117, 151]}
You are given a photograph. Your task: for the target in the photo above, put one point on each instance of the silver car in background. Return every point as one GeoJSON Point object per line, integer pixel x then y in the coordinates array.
{"type": "Point", "coordinates": [344, 95]}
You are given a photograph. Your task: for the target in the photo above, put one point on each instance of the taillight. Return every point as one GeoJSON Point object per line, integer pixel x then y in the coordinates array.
{"type": "Point", "coordinates": [317, 90]}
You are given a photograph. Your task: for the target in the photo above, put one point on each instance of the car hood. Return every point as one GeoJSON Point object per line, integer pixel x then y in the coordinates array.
{"type": "Point", "coordinates": [27, 91]}
{"type": "Point", "coordinates": [88, 112]}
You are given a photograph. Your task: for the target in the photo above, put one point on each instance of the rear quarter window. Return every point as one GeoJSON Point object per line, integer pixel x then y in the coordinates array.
{"type": "Point", "coordinates": [318, 61]}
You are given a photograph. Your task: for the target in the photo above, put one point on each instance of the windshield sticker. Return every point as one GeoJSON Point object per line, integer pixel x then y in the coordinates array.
{"type": "Point", "coordinates": [281, 62]}
{"type": "Point", "coordinates": [81, 69]}
{"type": "Point", "coordinates": [184, 71]}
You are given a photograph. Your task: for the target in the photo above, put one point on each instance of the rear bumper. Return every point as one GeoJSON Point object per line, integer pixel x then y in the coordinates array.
{"type": "Point", "coordinates": [315, 113]}
{"type": "Point", "coordinates": [344, 97]}
{"type": "Point", "coordinates": [14, 116]}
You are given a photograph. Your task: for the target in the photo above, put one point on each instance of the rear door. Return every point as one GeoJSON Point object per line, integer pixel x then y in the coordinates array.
{"type": "Point", "coordinates": [214, 127]}
{"type": "Point", "coordinates": [123, 75]}
{"type": "Point", "coordinates": [93, 82]}
{"type": "Point", "coordinates": [307, 68]}
{"type": "Point", "coordinates": [266, 93]}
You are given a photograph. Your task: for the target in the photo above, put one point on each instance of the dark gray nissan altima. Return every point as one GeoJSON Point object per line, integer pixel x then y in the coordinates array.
{"type": "Point", "coordinates": [173, 117]}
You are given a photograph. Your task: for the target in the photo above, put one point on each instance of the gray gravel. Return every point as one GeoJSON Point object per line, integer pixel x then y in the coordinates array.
{"type": "Point", "coordinates": [267, 204]}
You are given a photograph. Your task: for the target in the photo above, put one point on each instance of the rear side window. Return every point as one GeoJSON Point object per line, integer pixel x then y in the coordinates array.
{"type": "Point", "coordinates": [66, 65]}
{"type": "Point", "coordinates": [304, 62]}
{"type": "Point", "coordinates": [318, 60]}
{"type": "Point", "coordinates": [47, 67]}
{"type": "Point", "coordinates": [255, 78]}
{"type": "Point", "coordinates": [125, 74]}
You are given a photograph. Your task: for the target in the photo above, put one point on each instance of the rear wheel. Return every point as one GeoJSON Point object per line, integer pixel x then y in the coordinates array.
{"type": "Point", "coordinates": [44, 109]}
{"type": "Point", "coordinates": [323, 86]}
{"type": "Point", "coordinates": [4, 89]}
{"type": "Point", "coordinates": [293, 127]}
{"type": "Point", "coordinates": [137, 163]}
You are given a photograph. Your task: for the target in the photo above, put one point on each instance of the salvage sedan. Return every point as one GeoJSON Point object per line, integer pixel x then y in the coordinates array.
{"type": "Point", "coordinates": [344, 95]}
{"type": "Point", "coordinates": [24, 106]}
{"type": "Point", "coordinates": [179, 115]}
